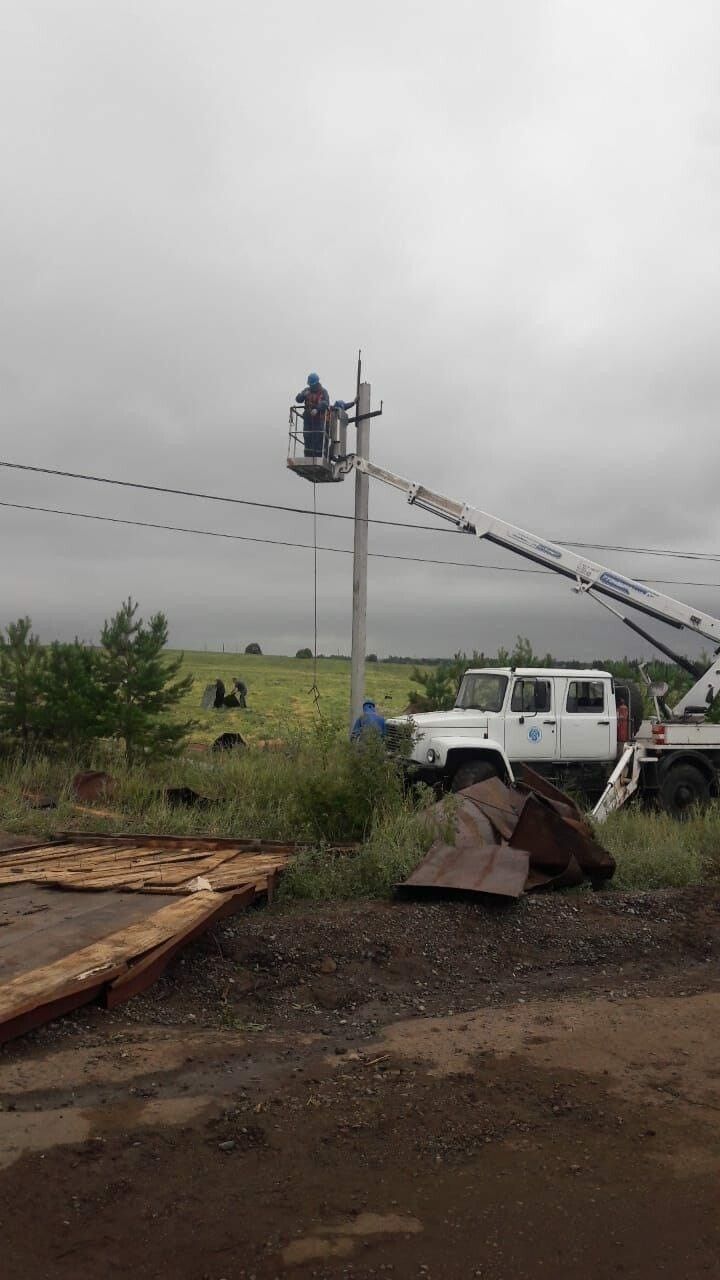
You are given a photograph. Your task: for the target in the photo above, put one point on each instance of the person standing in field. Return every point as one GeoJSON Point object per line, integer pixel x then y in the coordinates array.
{"type": "Point", "coordinates": [317, 402]}
{"type": "Point", "coordinates": [370, 722]}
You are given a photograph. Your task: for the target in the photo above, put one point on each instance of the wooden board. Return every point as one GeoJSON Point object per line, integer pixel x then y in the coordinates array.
{"type": "Point", "coordinates": [138, 976]}
{"type": "Point", "coordinates": [39, 925]}
{"type": "Point", "coordinates": [159, 864]}
{"type": "Point", "coordinates": [86, 915]}
{"type": "Point", "coordinates": [93, 966]}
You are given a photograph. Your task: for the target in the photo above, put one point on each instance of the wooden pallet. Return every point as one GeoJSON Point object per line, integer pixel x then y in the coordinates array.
{"type": "Point", "coordinates": [87, 917]}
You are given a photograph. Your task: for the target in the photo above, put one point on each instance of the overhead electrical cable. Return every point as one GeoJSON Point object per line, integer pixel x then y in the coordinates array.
{"type": "Point", "coordinates": [340, 515]}
{"type": "Point", "coordinates": [216, 497]}
{"type": "Point", "coordinates": [310, 546]}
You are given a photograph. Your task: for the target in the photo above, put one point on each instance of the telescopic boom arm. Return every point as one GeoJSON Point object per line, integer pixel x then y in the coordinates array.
{"type": "Point", "coordinates": [588, 576]}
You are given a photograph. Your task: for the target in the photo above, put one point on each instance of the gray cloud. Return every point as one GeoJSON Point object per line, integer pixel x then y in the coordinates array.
{"type": "Point", "coordinates": [513, 209]}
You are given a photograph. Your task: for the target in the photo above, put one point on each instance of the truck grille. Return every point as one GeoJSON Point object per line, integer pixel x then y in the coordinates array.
{"type": "Point", "coordinates": [395, 737]}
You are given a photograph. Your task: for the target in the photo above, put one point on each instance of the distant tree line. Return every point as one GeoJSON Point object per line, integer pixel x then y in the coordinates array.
{"type": "Point", "coordinates": [436, 690]}
{"type": "Point", "coordinates": [71, 695]}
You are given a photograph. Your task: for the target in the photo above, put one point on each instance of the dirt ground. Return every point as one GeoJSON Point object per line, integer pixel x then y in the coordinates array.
{"type": "Point", "coordinates": [412, 1090]}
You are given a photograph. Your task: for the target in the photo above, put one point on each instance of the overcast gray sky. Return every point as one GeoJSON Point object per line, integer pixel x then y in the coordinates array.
{"type": "Point", "coordinates": [514, 210]}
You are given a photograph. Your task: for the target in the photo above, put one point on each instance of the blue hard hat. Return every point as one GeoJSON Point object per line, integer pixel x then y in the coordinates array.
{"type": "Point", "coordinates": [313, 379]}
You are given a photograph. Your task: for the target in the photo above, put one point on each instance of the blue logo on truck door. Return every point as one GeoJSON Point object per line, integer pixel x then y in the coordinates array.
{"type": "Point", "coordinates": [534, 734]}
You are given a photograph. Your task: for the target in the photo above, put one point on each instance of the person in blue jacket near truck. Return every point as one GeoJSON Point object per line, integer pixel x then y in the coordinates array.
{"type": "Point", "coordinates": [369, 722]}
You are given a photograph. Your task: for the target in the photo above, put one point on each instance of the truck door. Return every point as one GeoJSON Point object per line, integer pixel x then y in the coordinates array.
{"type": "Point", "coordinates": [530, 722]}
{"type": "Point", "coordinates": [587, 727]}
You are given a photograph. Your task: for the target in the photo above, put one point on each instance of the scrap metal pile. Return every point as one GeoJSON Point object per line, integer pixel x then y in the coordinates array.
{"type": "Point", "coordinates": [508, 840]}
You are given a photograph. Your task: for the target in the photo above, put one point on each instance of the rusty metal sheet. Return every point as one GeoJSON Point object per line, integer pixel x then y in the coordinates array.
{"type": "Point", "coordinates": [554, 843]}
{"type": "Point", "coordinates": [498, 802]}
{"type": "Point", "coordinates": [511, 839]}
{"type": "Point", "coordinates": [550, 841]}
{"type": "Point", "coordinates": [475, 861]}
{"type": "Point", "coordinates": [541, 786]}
{"type": "Point", "coordinates": [494, 868]}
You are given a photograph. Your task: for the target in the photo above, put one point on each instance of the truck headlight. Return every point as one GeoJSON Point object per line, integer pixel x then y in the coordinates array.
{"type": "Point", "coordinates": [431, 756]}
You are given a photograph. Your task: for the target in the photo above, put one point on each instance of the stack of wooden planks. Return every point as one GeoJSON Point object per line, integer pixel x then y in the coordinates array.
{"type": "Point", "coordinates": [147, 864]}
{"type": "Point", "coordinates": [101, 916]}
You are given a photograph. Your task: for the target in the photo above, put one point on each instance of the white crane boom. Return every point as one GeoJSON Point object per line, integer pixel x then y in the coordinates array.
{"type": "Point", "coordinates": [589, 576]}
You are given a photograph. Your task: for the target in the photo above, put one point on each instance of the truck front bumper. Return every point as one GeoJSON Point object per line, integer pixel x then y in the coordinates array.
{"type": "Point", "coordinates": [431, 774]}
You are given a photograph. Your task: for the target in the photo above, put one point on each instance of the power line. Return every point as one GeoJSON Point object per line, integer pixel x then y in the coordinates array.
{"type": "Point", "coordinates": [339, 515]}
{"type": "Point", "coordinates": [215, 497]}
{"type": "Point", "coordinates": [309, 546]}
{"type": "Point", "coordinates": [643, 551]}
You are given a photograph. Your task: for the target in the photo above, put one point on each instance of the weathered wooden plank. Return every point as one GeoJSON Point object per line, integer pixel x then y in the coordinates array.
{"type": "Point", "coordinates": [50, 1009]}
{"type": "Point", "coordinates": [46, 853]}
{"type": "Point", "coordinates": [206, 842]}
{"type": "Point", "coordinates": [97, 962]}
{"type": "Point", "coordinates": [140, 975]}
{"type": "Point", "coordinates": [40, 925]}
{"type": "Point", "coordinates": [104, 871]}
{"type": "Point", "coordinates": [156, 874]}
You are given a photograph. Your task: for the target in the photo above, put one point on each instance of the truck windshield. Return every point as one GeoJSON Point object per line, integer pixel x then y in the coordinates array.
{"type": "Point", "coordinates": [481, 692]}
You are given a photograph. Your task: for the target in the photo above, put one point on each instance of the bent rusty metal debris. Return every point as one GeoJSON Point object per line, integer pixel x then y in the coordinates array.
{"type": "Point", "coordinates": [510, 840]}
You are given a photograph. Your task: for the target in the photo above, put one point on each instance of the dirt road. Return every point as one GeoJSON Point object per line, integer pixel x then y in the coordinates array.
{"type": "Point", "coordinates": [430, 1090]}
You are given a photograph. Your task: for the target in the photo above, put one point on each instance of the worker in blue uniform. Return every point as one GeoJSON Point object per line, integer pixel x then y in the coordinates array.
{"type": "Point", "coordinates": [317, 402]}
{"type": "Point", "coordinates": [371, 721]}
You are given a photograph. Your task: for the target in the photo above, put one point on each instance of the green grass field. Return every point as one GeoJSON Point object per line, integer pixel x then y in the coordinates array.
{"type": "Point", "coordinates": [316, 789]}
{"type": "Point", "coordinates": [279, 698]}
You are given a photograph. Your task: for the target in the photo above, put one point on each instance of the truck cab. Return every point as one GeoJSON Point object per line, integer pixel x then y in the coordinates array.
{"type": "Point", "coordinates": [560, 721]}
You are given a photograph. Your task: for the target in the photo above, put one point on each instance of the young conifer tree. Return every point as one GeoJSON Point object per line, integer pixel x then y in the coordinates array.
{"type": "Point", "coordinates": [22, 663]}
{"type": "Point", "coordinates": [76, 707]}
{"type": "Point", "coordinates": [140, 681]}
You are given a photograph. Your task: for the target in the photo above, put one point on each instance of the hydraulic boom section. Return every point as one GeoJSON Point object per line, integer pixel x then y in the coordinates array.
{"type": "Point", "coordinates": [587, 575]}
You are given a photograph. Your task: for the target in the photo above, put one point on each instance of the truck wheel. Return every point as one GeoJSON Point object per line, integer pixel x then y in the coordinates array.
{"type": "Point", "coordinates": [472, 772]}
{"type": "Point", "coordinates": [683, 788]}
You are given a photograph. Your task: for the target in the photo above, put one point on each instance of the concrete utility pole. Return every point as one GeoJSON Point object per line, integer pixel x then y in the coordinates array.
{"type": "Point", "coordinates": [360, 554]}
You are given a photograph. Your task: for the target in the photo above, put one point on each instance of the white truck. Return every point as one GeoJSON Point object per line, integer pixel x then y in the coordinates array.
{"type": "Point", "coordinates": [562, 722]}
{"type": "Point", "coordinates": [564, 719]}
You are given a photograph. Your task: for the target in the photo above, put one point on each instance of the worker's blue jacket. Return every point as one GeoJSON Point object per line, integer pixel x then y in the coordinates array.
{"type": "Point", "coordinates": [314, 398]}
{"type": "Point", "coordinates": [369, 722]}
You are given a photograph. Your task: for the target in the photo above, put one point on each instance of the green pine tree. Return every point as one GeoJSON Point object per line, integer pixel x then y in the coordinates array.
{"type": "Point", "coordinates": [22, 662]}
{"type": "Point", "coordinates": [75, 707]}
{"type": "Point", "coordinates": [141, 685]}
{"type": "Point", "coordinates": [439, 687]}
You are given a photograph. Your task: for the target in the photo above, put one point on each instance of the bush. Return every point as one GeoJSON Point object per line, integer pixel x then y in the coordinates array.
{"type": "Point", "coordinates": [341, 785]}
{"type": "Point", "coordinates": [304, 653]}
{"type": "Point", "coordinates": [253, 648]}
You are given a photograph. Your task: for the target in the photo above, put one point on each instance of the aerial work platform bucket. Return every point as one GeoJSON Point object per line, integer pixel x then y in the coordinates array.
{"type": "Point", "coordinates": [318, 452]}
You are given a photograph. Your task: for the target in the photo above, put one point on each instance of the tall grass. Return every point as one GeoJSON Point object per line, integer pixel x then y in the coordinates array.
{"type": "Point", "coordinates": [654, 851]}
{"type": "Point", "coordinates": [396, 843]}
{"type": "Point", "coordinates": [319, 790]}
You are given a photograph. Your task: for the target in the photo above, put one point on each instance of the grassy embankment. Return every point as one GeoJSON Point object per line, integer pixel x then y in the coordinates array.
{"type": "Point", "coordinates": [315, 788]}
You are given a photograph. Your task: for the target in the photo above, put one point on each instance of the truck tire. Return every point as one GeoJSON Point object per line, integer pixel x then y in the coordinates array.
{"type": "Point", "coordinates": [683, 788]}
{"type": "Point", "coordinates": [471, 772]}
